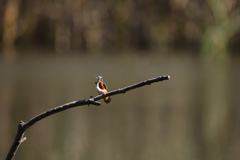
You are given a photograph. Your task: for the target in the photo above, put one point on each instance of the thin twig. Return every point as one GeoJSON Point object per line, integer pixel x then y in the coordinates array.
{"type": "Point", "coordinates": [22, 127]}
{"type": "Point", "coordinates": [131, 87]}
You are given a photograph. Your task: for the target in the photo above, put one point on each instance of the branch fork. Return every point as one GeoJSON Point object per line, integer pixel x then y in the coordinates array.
{"type": "Point", "coordinates": [22, 127]}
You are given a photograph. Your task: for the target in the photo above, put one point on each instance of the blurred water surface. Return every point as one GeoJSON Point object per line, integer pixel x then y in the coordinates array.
{"type": "Point", "coordinates": [194, 115]}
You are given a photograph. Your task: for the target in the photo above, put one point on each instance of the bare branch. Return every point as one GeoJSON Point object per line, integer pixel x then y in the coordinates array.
{"type": "Point", "coordinates": [22, 127]}
{"type": "Point", "coordinates": [134, 86]}
{"type": "Point", "coordinates": [19, 138]}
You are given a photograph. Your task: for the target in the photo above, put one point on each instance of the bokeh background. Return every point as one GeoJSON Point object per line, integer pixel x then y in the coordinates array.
{"type": "Point", "coordinates": [51, 52]}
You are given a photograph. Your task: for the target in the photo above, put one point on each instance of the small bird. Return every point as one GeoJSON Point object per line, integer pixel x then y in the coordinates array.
{"type": "Point", "coordinates": [102, 88]}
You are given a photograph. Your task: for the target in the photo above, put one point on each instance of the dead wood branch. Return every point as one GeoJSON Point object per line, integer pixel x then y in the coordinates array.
{"type": "Point", "coordinates": [22, 127]}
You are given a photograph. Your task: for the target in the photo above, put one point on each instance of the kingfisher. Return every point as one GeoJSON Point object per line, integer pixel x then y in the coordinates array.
{"type": "Point", "coordinates": [102, 88]}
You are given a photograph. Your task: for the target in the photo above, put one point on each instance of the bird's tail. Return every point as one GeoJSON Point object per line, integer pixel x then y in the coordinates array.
{"type": "Point", "coordinates": [107, 99]}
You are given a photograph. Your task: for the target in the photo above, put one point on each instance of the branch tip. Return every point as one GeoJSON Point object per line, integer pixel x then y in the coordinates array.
{"type": "Point", "coordinates": [22, 127]}
{"type": "Point", "coordinates": [23, 139]}
{"type": "Point", "coordinates": [21, 123]}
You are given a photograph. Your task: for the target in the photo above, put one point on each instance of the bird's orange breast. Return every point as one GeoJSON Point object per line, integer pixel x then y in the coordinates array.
{"type": "Point", "coordinates": [102, 86]}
